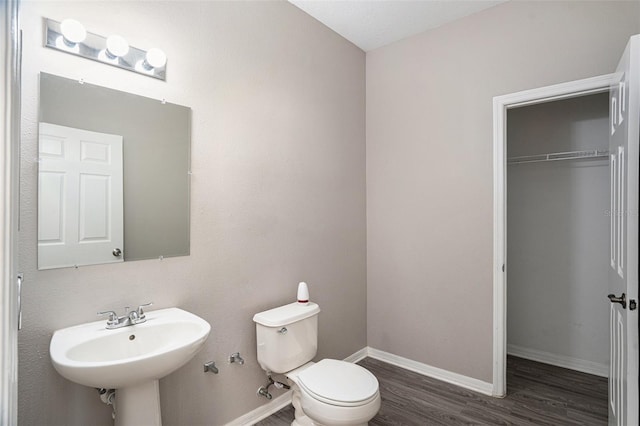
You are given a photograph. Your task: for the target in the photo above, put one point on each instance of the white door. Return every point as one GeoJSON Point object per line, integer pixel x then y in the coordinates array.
{"type": "Point", "coordinates": [623, 273]}
{"type": "Point", "coordinates": [80, 198]}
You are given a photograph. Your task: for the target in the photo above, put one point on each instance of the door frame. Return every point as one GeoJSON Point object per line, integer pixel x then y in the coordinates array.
{"type": "Point", "coordinates": [501, 104]}
{"type": "Point", "coordinates": [10, 60]}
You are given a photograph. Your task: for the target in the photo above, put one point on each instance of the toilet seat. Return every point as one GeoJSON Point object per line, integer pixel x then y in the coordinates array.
{"type": "Point", "coordinates": [339, 383]}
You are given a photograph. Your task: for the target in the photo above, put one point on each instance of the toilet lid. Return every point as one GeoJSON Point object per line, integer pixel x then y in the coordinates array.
{"type": "Point", "coordinates": [339, 382]}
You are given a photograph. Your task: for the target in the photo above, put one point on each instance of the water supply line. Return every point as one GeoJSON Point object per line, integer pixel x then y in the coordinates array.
{"type": "Point", "coordinates": [108, 396]}
{"type": "Point", "coordinates": [211, 367]}
{"type": "Point", "coordinates": [264, 390]}
{"type": "Point", "coordinates": [236, 358]}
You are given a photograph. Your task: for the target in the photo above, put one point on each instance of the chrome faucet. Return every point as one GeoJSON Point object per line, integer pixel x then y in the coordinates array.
{"type": "Point", "coordinates": [134, 318]}
{"type": "Point", "coordinates": [129, 318]}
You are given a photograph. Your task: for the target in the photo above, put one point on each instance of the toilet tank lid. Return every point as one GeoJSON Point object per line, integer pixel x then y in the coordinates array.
{"type": "Point", "coordinates": [287, 314]}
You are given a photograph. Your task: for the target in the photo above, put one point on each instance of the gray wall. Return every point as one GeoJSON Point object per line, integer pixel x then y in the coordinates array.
{"type": "Point", "coordinates": [155, 148]}
{"type": "Point", "coordinates": [277, 196]}
{"type": "Point", "coordinates": [558, 230]}
{"type": "Point", "coordinates": [429, 164]}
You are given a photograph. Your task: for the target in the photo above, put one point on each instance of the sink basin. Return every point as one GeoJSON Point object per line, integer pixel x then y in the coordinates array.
{"type": "Point", "coordinates": [130, 359]}
{"type": "Point", "coordinates": [91, 355]}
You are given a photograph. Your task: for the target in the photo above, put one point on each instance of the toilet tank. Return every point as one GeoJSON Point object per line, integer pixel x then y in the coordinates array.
{"type": "Point", "coordinates": [287, 336]}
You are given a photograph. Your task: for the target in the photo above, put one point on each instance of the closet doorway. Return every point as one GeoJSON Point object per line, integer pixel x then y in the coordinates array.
{"type": "Point", "coordinates": [622, 324]}
{"type": "Point", "coordinates": [558, 233]}
{"type": "Point", "coordinates": [558, 200]}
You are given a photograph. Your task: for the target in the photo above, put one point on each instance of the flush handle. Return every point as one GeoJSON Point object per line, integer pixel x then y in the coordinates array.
{"type": "Point", "coordinates": [283, 330]}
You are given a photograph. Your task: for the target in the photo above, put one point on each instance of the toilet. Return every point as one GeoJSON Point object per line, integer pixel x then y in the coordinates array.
{"type": "Point", "coordinates": [329, 392]}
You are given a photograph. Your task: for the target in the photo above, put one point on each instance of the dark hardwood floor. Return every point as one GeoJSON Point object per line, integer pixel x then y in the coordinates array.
{"type": "Point", "coordinates": [537, 394]}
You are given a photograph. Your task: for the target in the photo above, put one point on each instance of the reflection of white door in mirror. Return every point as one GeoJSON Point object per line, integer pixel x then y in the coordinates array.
{"type": "Point", "coordinates": [80, 198]}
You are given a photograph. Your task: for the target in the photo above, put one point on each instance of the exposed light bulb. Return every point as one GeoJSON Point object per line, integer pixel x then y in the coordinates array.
{"type": "Point", "coordinates": [73, 32]}
{"type": "Point", "coordinates": [116, 46]}
{"type": "Point", "coordinates": [155, 58]}
{"type": "Point", "coordinates": [63, 44]}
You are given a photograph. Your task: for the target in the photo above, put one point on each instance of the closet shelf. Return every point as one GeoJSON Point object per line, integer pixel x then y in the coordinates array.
{"type": "Point", "coordinates": [557, 156]}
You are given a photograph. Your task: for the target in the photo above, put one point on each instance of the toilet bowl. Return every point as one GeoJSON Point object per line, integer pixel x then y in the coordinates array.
{"type": "Point", "coordinates": [335, 393]}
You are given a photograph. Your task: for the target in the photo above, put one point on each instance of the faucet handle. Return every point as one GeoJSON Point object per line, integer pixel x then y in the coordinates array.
{"type": "Point", "coordinates": [140, 310]}
{"type": "Point", "coordinates": [113, 317]}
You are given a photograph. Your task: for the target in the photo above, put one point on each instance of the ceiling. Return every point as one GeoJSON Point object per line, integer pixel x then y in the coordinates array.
{"type": "Point", "coordinates": [370, 24]}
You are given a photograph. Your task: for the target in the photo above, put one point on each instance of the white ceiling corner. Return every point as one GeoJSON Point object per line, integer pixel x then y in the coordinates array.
{"type": "Point", "coordinates": [370, 24]}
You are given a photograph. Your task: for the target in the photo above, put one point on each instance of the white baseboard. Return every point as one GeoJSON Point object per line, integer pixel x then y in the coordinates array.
{"type": "Point", "coordinates": [563, 361]}
{"type": "Point", "coordinates": [358, 356]}
{"type": "Point", "coordinates": [434, 372]}
{"type": "Point", "coordinates": [263, 411]}
{"type": "Point", "coordinates": [275, 405]}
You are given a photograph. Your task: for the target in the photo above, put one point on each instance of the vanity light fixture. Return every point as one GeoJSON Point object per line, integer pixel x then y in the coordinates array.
{"type": "Point", "coordinates": [70, 36]}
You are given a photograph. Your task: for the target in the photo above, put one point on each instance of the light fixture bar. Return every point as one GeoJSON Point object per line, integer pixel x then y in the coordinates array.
{"type": "Point", "coordinates": [94, 47]}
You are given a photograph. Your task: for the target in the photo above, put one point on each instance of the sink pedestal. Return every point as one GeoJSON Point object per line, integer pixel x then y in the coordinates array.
{"type": "Point", "coordinates": [138, 405]}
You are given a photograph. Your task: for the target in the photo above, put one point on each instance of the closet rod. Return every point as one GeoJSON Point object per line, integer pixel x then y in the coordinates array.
{"type": "Point", "coordinates": [556, 156]}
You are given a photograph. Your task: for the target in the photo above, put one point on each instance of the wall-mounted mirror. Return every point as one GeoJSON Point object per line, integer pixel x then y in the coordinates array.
{"type": "Point", "coordinates": [113, 178]}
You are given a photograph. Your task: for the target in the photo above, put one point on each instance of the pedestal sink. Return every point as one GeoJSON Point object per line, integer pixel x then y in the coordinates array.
{"type": "Point", "coordinates": [130, 359]}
